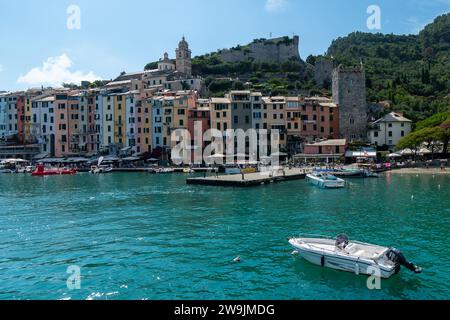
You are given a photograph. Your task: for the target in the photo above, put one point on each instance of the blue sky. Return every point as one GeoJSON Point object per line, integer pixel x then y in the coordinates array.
{"type": "Point", "coordinates": [120, 36]}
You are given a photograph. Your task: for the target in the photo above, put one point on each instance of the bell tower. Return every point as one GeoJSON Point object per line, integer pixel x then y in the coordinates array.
{"type": "Point", "coordinates": [184, 58]}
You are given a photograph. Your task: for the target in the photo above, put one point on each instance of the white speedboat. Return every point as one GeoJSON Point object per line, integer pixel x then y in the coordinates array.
{"type": "Point", "coordinates": [188, 171]}
{"type": "Point", "coordinates": [101, 169]}
{"type": "Point", "coordinates": [161, 170]}
{"type": "Point", "coordinates": [352, 256]}
{"type": "Point", "coordinates": [30, 169]}
{"type": "Point", "coordinates": [325, 180]}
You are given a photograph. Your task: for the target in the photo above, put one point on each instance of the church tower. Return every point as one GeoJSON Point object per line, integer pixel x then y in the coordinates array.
{"type": "Point", "coordinates": [184, 56]}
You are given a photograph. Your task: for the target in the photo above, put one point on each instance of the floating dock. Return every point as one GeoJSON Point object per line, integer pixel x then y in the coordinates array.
{"type": "Point", "coordinates": [249, 179]}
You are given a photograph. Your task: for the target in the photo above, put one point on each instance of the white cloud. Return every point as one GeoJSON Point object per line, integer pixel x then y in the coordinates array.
{"type": "Point", "coordinates": [275, 5]}
{"type": "Point", "coordinates": [54, 72]}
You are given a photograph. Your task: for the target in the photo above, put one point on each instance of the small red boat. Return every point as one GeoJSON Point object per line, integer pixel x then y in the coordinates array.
{"type": "Point", "coordinates": [41, 171]}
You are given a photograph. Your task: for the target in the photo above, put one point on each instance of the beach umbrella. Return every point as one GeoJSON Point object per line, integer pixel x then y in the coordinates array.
{"type": "Point", "coordinates": [406, 152]}
{"type": "Point", "coordinates": [177, 158]}
{"type": "Point", "coordinates": [425, 151]}
{"type": "Point", "coordinates": [279, 154]}
{"type": "Point", "coordinates": [216, 156]}
{"type": "Point", "coordinates": [14, 161]}
{"type": "Point", "coordinates": [394, 155]}
{"type": "Point", "coordinates": [131, 159]}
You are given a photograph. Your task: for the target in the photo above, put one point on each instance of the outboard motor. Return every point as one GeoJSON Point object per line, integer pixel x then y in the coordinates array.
{"type": "Point", "coordinates": [342, 241]}
{"type": "Point", "coordinates": [399, 259]}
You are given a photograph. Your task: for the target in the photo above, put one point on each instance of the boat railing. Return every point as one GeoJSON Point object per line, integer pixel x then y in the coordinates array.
{"type": "Point", "coordinates": [319, 236]}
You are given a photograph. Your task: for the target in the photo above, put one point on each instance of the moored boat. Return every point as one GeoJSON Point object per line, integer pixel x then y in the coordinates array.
{"type": "Point", "coordinates": [348, 173]}
{"type": "Point", "coordinates": [188, 171]}
{"type": "Point", "coordinates": [42, 171]}
{"type": "Point", "coordinates": [101, 169]}
{"type": "Point", "coordinates": [230, 169]}
{"type": "Point", "coordinates": [352, 256]}
{"type": "Point", "coordinates": [325, 180]}
{"type": "Point", "coordinates": [30, 169]}
{"type": "Point", "coordinates": [370, 174]}
{"type": "Point", "coordinates": [161, 170]}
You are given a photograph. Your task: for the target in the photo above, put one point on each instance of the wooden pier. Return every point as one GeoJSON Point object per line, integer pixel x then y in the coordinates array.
{"type": "Point", "coordinates": [249, 179]}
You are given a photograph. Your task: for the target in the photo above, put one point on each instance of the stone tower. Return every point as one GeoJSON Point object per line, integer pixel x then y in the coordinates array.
{"type": "Point", "coordinates": [349, 92]}
{"type": "Point", "coordinates": [184, 62]}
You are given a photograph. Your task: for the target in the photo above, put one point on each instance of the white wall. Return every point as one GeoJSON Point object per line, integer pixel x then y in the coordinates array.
{"type": "Point", "coordinates": [396, 128]}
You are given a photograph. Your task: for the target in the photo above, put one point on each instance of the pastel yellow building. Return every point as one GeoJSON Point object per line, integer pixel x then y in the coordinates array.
{"type": "Point", "coordinates": [119, 103]}
{"type": "Point", "coordinates": [221, 114]}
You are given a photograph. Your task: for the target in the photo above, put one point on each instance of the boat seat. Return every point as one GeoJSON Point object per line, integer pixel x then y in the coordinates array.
{"type": "Point", "coordinates": [354, 250]}
{"type": "Point", "coordinates": [359, 253]}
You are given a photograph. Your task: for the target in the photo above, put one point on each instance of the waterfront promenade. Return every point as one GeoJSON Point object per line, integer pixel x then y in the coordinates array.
{"type": "Point", "coordinates": [250, 179]}
{"type": "Point", "coordinates": [434, 171]}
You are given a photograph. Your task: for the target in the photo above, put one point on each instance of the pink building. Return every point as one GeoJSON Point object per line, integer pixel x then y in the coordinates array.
{"type": "Point", "coordinates": [327, 148]}
{"type": "Point", "coordinates": [200, 114]}
{"type": "Point", "coordinates": [320, 119]}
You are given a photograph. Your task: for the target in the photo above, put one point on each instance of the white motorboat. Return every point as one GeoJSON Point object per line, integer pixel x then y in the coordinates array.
{"type": "Point", "coordinates": [30, 169]}
{"type": "Point", "coordinates": [20, 169]}
{"type": "Point", "coordinates": [352, 256]}
{"type": "Point", "coordinates": [101, 169]}
{"type": "Point", "coordinates": [161, 170]}
{"type": "Point", "coordinates": [325, 180]}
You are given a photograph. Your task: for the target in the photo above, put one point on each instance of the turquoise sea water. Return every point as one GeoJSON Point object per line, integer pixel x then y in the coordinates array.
{"type": "Point", "coordinates": [140, 236]}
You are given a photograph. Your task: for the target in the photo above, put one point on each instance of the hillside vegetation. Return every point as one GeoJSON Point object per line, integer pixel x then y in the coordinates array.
{"type": "Point", "coordinates": [411, 71]}
{"type": "Point", "coordinates": [434, 132]}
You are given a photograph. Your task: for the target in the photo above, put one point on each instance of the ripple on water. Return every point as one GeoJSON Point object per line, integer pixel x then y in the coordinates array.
{"type": "Point", "coordinates": [140, 236]}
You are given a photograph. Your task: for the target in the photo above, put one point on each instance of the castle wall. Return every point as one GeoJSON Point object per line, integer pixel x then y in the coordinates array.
{"type": "Point", "coordinates": [323, 71]}
{"type": "Point", "coordinates": [271, 51]}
